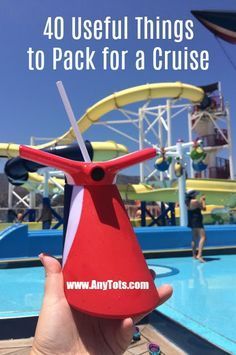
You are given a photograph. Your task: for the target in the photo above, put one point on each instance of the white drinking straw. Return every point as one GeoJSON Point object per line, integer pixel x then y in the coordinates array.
{"type": "Point", "coordinates": [73, 122]}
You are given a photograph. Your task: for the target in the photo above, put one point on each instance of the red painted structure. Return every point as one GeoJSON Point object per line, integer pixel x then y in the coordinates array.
{"type": "Point", "coordinates": [100, 242]}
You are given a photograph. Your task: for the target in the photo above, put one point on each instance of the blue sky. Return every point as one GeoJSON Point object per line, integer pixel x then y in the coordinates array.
{"type": "Point", "coordinates": [30, 104]}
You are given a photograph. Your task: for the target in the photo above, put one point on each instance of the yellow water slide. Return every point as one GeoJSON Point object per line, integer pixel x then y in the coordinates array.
{"type": "Point", "coordinates": [218, 192]}
{"type": "Point", "coordinates": [102, 150]}
{"type": "Point", "coordinates": [122, 98]}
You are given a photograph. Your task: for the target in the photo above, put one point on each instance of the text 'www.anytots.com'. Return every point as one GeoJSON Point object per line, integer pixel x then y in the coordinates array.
{"type": "Point", "coordinates": [107, 285]}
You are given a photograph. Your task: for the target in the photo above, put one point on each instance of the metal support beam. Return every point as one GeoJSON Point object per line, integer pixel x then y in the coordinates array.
{"type": "Point", "coordinates": [190, 138]}
{"type": "Point", "coordinates": [141, 145]}
{"type": "Point", "coordinates": [169, 133]}
{"type": "Point", "coordinates": [231, 161]}
{"type": "Point", "coordinates": [182, 189]}
{"type": "Point", "coordinates": [46, 180]}
{"type": "Point", "coordinates": [10, 190]}
{"type": "Point", "coordinates": [32, 199]}
{"type": "Point", "coordinates": [21, 200]}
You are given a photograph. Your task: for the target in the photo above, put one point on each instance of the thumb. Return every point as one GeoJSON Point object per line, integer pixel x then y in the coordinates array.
{"type": "Point", "coordinates": [126, 332]}
{"type": "Point", "coordinates": [53, 276]}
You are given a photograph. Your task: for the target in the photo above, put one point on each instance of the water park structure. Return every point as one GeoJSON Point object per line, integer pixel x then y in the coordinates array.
{"type": "Point", "coordinates": [175, 160]}
{"type": "Point", "coordinates": [151, 126]}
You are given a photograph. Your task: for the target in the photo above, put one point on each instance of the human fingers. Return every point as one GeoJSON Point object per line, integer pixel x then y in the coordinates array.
{"type": "Point", "coordinates": [164, 292]}
{"type": "Point", "coordinates": [53, 276]}
{"type": "Point", "coordinates": [125, 334]}
{"type": "Point", "coordinates": [153, 273]}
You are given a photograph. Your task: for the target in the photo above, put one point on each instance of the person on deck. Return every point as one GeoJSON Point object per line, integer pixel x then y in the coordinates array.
{"type": "Point", "coordinates": [195, 222]}
{"type": "Point", "coordinates": [46, 214]}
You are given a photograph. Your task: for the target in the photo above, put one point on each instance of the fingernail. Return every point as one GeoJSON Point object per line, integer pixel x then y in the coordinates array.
{"type": "Point", "coordinates": [153, 273]}
{"type": "Point", "coordinates": [41, 257]}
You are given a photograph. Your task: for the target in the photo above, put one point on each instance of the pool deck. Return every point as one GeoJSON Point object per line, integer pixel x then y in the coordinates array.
{"type": "Point", "coordinates": [148, 335]}
{"type": "Point", "coordinates": [16, 347]}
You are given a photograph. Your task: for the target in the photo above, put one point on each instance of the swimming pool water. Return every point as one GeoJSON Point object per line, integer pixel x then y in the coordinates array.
{"type": "Point", "coordinates": [21, 291]}
{"type": "Point", "coordinates": [204, 298]}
